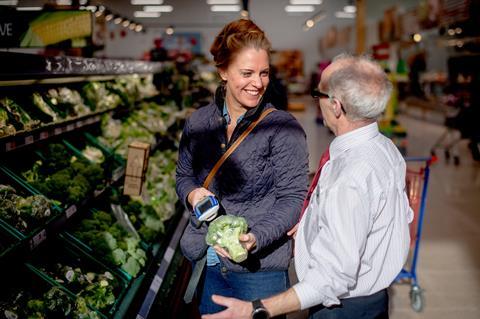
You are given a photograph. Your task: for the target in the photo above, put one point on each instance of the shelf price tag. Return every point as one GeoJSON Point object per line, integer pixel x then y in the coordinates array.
{"type": "Point", "coordinates": [43, 135]}
{"type": "Point", "coordinates": [118, 173]}
{"type": "Point", "coordinates": [28, 139]}
{"type": "Point", "coordinates": [79, 124]}
{"type": "Point", "coordinates": [70, 127]}
{"type": "Point", "coordinates": [57, 131]}
{"type": "Point", "coordinates": [38, 239]}
{"type": "Point", "coordinates": [70, 211]}
{"type": "Point", "coordinates": [10, 146]}
{"type": "Point", "coordinates": [156, 283]}
{"type": "Point", "coordinates": [98, 192]}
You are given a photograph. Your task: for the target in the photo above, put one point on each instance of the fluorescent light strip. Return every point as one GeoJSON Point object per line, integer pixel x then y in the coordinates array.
{"type": "Point", "coordinates": [29, 8]}
{"type": "Point", "coordinates": [143, 14]}
{"type": "Point", "coordinates": [222, 2]}
{"type": "Point", "coordinates": [158, 8]}
{"type": "Point", "coordinates": [299, 8]}
{"type": "Point", "coordinates": [64, 2]}
{"type": "Point", "coordinates": [303, 2]}
{"type": "Point", "coordinates": [146, 2]}
{"type": "Point", "coordinates": [9, 3]}
{"type": "Point", "coordinates": [226, 8]}
{"type": "Point", "coordinates": [350, 9]}
{"type": "Point", "coordinates": [344, 15]}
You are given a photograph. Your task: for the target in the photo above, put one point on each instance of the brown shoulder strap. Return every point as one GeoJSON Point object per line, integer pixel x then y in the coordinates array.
{"type": "Point", "coordinates": [232, 148]}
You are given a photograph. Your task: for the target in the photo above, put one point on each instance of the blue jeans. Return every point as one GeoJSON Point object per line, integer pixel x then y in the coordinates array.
{"type": "Point", "coordinates": [369, 307]}
{"type": "Point", "coordinates": [241, 285]}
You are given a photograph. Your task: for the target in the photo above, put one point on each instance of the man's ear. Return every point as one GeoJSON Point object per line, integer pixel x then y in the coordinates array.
{"type": "Point", "coordinates": [337, 107]}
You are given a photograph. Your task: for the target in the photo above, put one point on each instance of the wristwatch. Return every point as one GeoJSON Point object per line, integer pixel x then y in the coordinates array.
{"type": "Point", "coordinates": [259, 310]}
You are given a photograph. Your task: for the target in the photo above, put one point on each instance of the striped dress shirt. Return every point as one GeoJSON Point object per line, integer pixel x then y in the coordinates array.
{"type": "Point", "coordinates": [353, 240]}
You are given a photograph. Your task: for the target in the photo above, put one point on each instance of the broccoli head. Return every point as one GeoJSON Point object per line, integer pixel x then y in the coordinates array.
{"type": "Point", "coordinates": [225, 231]}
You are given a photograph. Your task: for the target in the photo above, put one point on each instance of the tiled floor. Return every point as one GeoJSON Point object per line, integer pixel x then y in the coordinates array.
{"type": "Point", "coordinates": [449, 260]}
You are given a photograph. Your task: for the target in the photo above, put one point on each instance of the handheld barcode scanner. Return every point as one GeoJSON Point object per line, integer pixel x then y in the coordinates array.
{"type": "Point", "coordinates": [206, 210]}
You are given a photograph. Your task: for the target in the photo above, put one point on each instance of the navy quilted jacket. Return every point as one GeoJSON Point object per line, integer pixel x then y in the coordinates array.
{"type": "Point", "coordinates": [264, 180]}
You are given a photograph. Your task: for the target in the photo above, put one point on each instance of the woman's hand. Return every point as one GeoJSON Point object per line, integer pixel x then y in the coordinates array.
{"type": "Point", "coordinates": [197, 195]}
{"type": "Point", "coordinates": [248, 241]}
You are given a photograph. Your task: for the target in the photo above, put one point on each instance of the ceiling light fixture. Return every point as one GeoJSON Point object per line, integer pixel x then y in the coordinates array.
{"type": "Point", "coordinates": [125, 23]}
{"type": "Point", "coordinates": [64, 2]}
{"type": "Point", "coordinates": [244, 14]}
{"type": "Point", "coordinates": [306, 2]}
{"type": "Point", "coordinates": [108, 17]}
{"type": "Point", "coordinates": [143, 14]}
{"type": "Point", "coordinates": [146, 2]}
{"type": "Point", "coordinates": [158, 8]}
{"type": "Point", "coordinates": [138, 28]}
{"type": "Point", "coordinates": [169, 30]}
{"type": "Point", "coordinates": [310, 23]}
{"type": "Point", "coordinates": [132, 26]}
{"type": "Point", "coordinates": [344, 15]}
{"type": "Point", "coordinates": [118, 20]}
{"type": "Point", "coordinates": [210, 2]}
{"type": "Point", "coordinates": [417, 37]}
{"type": "Point", "coordinates": [350, 9]}
{"type": "Point", "coordinates": [299, 8]}
{"type": "Point", "coordinates": [9, 3]}
{"type": "Point", "coordinates": [225, 8]}
{"type": "Point", "coordinates": [29, 8]}
{"type": "Point", "coordinates": [91, 8]}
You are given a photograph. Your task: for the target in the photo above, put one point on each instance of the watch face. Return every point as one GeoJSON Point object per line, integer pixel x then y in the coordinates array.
{"type": "Point", "coordinates": [260, 313]}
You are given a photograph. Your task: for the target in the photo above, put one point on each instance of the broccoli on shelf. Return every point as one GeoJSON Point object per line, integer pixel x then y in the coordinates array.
{"type": "Point", "coordinates": [110, 240]}
{"type": "Point", "coordinates": [225, 232]}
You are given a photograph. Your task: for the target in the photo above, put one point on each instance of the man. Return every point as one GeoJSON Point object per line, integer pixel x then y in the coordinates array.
{"type": "Point", "coordinates": [353, 239]}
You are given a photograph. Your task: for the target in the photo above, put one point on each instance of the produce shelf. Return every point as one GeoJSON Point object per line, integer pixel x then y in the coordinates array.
{"type": "Point", "coordinates": [25, 138]}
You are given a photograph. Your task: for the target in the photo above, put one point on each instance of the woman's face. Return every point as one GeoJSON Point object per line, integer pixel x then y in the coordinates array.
{"type": "Point", "coordinates": [247, 78]}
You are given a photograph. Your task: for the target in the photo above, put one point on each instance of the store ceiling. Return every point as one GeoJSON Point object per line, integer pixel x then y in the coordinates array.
{"type": "Point", "coordinates": [197, 12]}
{"type": "Point", "coordinates": [269, 14]}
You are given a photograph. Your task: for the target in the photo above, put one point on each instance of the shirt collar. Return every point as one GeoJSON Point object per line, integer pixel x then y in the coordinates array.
{"type": "Point", "coordinates": [226, 116]}
{"type": "Point", "coordinates": [347, 141]}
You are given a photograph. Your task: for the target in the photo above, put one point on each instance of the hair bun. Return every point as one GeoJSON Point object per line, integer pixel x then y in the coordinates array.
{"type": "Point", "coordinates": [234, 37]}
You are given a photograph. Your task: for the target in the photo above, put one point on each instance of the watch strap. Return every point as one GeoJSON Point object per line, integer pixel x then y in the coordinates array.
{"type": "Point", "coordinates": [257, 304]}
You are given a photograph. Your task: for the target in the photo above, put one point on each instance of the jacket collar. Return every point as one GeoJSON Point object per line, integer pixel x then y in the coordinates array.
{"type": "Point", "coordinates": [250, 116]}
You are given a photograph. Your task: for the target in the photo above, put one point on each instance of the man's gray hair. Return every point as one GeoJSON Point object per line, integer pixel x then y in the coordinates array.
{"type": "Point", "coordinates": [361, 85]}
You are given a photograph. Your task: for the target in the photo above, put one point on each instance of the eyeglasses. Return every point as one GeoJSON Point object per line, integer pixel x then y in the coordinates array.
{"type": "Point", "coordinates": [318, 94]}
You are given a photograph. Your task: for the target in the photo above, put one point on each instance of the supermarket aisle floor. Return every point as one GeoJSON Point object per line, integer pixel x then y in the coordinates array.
{"type": "Point", "coordinates": [449, 261]}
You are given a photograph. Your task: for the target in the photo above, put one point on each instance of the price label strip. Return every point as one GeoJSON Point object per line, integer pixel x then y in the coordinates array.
{"type": "Point", "coordinates": [43, 135]}
{"type": "Point", "coordinates": [10, 146]}
{"type": "Point", "coordinates": [162, 269]}
{"type": "Point", "coordinates": [29, 139]}
{"type": "Point", "coordinates": [118, 173]}
{"type": "Point", "coordinates": [38, 239]}
{"type": "Point", "coordinates": [70, 211]}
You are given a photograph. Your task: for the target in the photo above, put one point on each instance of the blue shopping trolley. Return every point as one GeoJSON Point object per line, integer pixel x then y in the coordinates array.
{"type": "Point", "coordinates": [418, 170]}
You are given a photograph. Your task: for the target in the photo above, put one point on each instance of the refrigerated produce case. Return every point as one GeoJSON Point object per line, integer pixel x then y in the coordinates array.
{"type": "Point", "coordinates": [92, 249]}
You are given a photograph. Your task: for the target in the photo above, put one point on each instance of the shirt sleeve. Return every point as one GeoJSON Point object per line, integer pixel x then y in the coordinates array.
{"type": "Point", "coordinates": [338, 246]}
{"type": "Point", "coordinates": [289, 158]}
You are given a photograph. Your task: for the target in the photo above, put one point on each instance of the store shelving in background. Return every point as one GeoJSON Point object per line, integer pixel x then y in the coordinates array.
{"type": "Point", "coordinates": [96, 138]}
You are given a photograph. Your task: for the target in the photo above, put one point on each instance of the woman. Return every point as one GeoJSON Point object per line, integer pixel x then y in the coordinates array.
{"type": "Point", "coordinates": [263, 180]}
